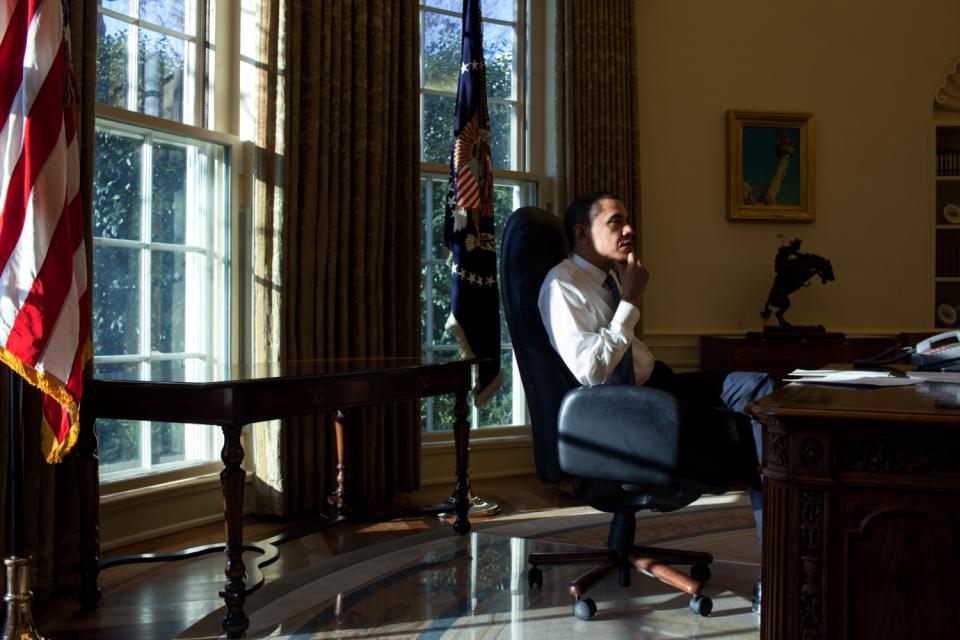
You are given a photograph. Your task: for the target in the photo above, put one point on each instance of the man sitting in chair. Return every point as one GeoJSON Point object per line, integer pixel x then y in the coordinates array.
{"type": "Point", "coordinates": [590, 304]}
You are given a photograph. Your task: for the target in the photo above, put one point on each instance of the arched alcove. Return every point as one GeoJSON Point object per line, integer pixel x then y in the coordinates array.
{"type": "Point", "coordinates": [947, 96]}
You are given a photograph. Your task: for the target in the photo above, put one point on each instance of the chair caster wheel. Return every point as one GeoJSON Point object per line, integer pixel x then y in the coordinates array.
{"type": "Point", "coordinates": [535, 577]}
{"type": "Point", "coordinates": [701, 605]}
{"type": "Point", "coordinates": [584, 608]}
{"type": "Point", "coordinates": [700, 572]}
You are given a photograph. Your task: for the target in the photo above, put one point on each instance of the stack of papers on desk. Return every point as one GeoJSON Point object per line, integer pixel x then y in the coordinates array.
{"type": "Point", "coordinates": [849, 377]}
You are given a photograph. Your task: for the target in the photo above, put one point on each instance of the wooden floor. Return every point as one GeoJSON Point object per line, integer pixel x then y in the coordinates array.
{"type": "Point", "coordinates": [159, 600]}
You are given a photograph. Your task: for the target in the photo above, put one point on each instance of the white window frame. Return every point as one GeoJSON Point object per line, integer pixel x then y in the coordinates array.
{"type": "Point", "coordinates": [224, 102]}
{"type": "Point", "coordinates": [526, 153]}
{"type": "Point", "coordinates": [194, 64]}
{"type": "Point", "coordinates": [207, 239]}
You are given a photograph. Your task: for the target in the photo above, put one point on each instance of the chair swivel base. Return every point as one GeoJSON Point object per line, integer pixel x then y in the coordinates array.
{"type": "Point", "coordinates": [652, 561]}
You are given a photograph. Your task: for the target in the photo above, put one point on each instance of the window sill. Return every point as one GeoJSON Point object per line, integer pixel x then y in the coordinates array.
{"type": "Point", "coordinates": [495, 452]}
{"type": "Point", "coordinates": [479, 436]}
{"type": "Point", "coordinates": [148, 482]}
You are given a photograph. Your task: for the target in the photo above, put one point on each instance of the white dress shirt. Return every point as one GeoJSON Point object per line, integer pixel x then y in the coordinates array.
{"type": "Point", "coordinates": [588, 333]}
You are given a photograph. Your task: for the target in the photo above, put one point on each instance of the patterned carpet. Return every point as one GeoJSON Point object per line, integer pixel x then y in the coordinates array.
{"type": "Point", "coordinates": [434, 585]}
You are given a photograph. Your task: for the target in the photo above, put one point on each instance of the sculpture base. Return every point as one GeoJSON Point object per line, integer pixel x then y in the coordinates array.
{"type": "Point", "coordinates": [479, 508]}
{"type": "Point", "coordinates": [794, 332]}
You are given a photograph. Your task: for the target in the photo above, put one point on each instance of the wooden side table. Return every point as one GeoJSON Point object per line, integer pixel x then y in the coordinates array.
{"type": "Point", "coordinates": [233, 397]}
{"type": "Point", "coordinates": [781, 354]}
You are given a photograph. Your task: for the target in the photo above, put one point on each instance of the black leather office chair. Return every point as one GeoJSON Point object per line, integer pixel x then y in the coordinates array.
{"type": "Point", "coordinates": [625, 448]}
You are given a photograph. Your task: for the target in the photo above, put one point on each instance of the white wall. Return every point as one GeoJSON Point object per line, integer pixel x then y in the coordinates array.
{"type": "Point", "coordinates": [868, 70]}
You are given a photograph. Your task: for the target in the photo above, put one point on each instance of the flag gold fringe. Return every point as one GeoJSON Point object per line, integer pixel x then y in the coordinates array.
{"type": "Point", "coordinates": [54, 451]}
{"type": "Point", "coordinates": [480, 396]}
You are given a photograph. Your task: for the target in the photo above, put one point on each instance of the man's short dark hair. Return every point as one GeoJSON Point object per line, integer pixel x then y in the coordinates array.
{"type": "Point", "coordinates": [583, 210]}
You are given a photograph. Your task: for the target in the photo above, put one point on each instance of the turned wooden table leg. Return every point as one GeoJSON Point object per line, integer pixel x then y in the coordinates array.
{"type": "Point", "coordinates": [461, 435]}
{"type": "Point", "coordinates": [88, 464]}
{"type": "Point", "coordinates": [338, 499]}
{"type": "Point", "coordinates": [235, 623]}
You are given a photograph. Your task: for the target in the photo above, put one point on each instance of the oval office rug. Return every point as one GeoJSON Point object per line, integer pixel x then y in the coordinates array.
{"type": "Point", "coordinates": [434, 585]}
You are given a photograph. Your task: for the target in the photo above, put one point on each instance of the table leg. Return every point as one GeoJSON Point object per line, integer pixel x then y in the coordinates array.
{"type": "Point", "coordinates": [89, 487]}
{"type": "Point", "coordinates": [338, 499]}
{"type": "Point", "coordinates": [235, 623]}
{"type": "Point", "coordinates": [461, 435]}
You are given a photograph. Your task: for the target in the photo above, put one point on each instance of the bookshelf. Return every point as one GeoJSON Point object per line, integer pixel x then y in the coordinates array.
{"type": "Point", "coordinates": [947, 218]}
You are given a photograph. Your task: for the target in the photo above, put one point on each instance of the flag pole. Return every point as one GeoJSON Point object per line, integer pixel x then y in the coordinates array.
{"type": "Point", "coordinates": [18, 624]}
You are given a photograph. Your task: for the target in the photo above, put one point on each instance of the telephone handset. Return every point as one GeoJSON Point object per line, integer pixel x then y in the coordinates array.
{"type": "Point", "coordinates": [936, 353]}
{"type": "Point", "coordinates": [941, 351]}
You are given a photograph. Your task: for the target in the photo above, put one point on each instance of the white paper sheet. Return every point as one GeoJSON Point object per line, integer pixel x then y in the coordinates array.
{"type": "Point", "coordinates": [850, 377]}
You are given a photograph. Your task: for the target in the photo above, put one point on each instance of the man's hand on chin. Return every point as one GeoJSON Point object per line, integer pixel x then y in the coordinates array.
{"type": "Point", "coordinates": [633, 279]}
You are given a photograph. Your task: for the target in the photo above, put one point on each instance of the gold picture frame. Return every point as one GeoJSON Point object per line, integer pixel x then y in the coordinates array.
{"type": "Point", "coordinates": [770, 160]}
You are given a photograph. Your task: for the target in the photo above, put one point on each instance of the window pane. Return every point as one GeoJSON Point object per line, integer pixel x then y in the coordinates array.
{"type": "Point", "coordinates": [116, 300]}
{"type": "Point", "coordinates": [112, 80]}
{"type": "Point", "coordinates": [168, 217]}
{"type": "Point", "coordinates": [176, 370]}
{"type": "Point", "coordinates": [437, 127]}
{"type": "Point", "coordinates": [506, 199]}
{"type": "Point", "coordinates": [119, 445]}
{"type": "Point", "coordinates": [120, 6]}
{"type": "Point", "coordinates": [498, 52]}
{"type": "Point", "coordinates": [119, 370]}
{"type": "Point", "coordinates": [436, 413]}
{"type": "Point", "coordinates": [162, 75]}
{"type": "Point", "coordinates": [168, 301]}
{"type": "Point", "coordinates": [436, 248]}
{"type": "Point", "coordinates": [167, 442]}
{"type": "Point", "coordinates": [165, 13]}
{"type": "Point", "coordinates": [440, 308]}
{"type": "Point", "coordinates": [499, 409]}
{"type": "Point", "coordinates": [502, 135]}
{"type": "Point", "coordinates": [499, 9]}
{"type": "Point", "coordinates": [170, 442]}
{"type": "Point", "coordinates": [116, 186]}
{"type": "Point", "coordinates": [441, 52]}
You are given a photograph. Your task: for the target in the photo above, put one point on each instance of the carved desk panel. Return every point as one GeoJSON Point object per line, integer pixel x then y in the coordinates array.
{"type": "Point", "coordinates": [861, 528]}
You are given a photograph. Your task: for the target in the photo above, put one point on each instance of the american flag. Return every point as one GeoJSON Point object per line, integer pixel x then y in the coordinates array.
{"type": "Point", "coordinates": [44, 300]}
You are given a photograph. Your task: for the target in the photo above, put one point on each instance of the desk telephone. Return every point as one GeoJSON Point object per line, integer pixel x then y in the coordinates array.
{"type": "Point", "coordinates": [937, 353]}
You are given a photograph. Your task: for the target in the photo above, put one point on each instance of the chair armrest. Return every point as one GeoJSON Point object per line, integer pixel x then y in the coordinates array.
{"type": "Point", "coordinates": [624, 433]}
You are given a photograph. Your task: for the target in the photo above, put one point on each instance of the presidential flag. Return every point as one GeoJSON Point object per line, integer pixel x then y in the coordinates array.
{"type": "Point", "coordinates": [44, 301]}
{"type": "Point", "coordinates": [468, 221]}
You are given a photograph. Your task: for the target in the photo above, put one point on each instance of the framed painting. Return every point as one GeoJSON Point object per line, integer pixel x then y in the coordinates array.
{"type": "Point", "coordinates": [770, 158]}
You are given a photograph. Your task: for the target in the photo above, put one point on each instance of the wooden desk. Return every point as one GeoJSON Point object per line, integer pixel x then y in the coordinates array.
{"type": "Point", "coordinates": [780, 355]}
{"type": "Point", "coordinates": [861, 522]}
{"type": "Point", "coordinates": [235, 397]}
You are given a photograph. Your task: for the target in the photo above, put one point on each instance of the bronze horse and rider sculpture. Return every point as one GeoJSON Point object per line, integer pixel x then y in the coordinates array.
{"type": "Point", "coordinates": [794, 270]}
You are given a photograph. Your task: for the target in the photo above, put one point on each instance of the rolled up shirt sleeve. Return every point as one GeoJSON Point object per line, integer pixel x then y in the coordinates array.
{"type": "Point", "coordinates": [590, 347]}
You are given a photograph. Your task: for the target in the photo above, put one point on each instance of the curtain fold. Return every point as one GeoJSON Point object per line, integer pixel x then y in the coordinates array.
{"type": "Point", "coordinates": [338, 234]}
{"type": "Point", "coordinates": [50, 498]}
{"type": "Point", "coordinates": [597, 129]}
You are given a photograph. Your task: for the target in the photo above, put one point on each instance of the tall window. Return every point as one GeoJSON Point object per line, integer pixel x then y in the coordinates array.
{"type": "Point", "coordinates": [162, 222]}
{"type": "Point", "coordinates": [505, 41]}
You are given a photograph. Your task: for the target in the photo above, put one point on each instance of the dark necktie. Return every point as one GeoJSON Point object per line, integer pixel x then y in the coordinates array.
{"type": "Point", "coordinates": [623, 373]}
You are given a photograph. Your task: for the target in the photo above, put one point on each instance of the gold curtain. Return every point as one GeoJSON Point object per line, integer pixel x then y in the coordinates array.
{"type": "Point", "coordinates": [597, 130]}
{"type": "Point", "coordinates": [337, 232]}
{"type": "Point", "coordinates": [50, 495]}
